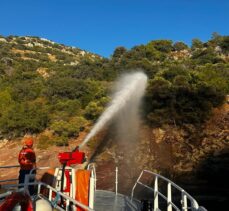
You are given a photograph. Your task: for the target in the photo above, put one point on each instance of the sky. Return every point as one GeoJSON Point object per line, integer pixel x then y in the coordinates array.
{"type": "Point", "coordinates": [99, 26]}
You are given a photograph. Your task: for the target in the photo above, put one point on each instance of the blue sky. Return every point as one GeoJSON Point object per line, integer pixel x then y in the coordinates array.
{"type": "Point", "coordinates": [100, 26]}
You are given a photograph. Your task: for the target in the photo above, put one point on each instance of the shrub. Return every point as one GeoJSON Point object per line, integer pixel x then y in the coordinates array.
{"type": "Point", "coordinates": [93, 110]}
{"type": "Point", "coordinates": [68, 128]}
{"type": "Point", "coordinates": [44, 141]}
{"type": "Point", "coordinates": [61, 141]}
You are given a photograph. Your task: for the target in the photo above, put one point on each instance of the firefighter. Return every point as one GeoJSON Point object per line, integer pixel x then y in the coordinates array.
{"type": "Point", "coordinates": [27, 161]}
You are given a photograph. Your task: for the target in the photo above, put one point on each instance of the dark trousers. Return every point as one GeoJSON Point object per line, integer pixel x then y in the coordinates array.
{"type": "Point", "coordinates": [21, 178]}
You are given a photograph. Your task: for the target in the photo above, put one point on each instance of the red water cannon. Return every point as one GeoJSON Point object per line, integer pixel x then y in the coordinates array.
{"type": "Point", "coordinates": [74, 157]}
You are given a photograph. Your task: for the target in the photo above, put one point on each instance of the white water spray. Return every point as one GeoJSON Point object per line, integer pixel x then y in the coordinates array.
{"type": "Point", "coordinates": [129, 86]}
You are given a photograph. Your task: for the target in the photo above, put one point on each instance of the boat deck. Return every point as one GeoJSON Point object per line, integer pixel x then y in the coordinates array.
{"type": "Point", "coordinates": [106, 200]}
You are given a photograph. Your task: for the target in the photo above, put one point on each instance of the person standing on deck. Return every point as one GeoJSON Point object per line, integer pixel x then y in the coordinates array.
{"type": "Point", "coordinates": [27, 161]}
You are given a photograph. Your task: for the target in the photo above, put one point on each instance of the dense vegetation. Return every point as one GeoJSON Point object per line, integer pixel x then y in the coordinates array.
{"type": "Point", "coordinates": [47, 86]}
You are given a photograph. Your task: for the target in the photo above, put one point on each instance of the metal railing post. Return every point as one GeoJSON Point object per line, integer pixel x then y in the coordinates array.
{"type": "Point", "coordinates": [50, 194]}
{"type": "Point", "coordinates": [184, 202]}
{"type": "Point", "coordinates": [38, 188]}
{"type": "Point", "coordinates": [67, 204]}
{"type": "Point", "coordinates": [169, 197]}
{"type": "Point", "coordinates": [116, 180]}
{"type": "Point", "coordinates": [155, 194]}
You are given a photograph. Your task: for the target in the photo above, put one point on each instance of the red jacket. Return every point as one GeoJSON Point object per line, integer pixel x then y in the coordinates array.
{"type": "Point", "coordinates": [27, 158]}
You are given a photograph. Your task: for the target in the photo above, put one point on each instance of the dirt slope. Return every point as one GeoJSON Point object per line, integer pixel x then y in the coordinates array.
{"type": "Point", "coordinates": [46, 157]}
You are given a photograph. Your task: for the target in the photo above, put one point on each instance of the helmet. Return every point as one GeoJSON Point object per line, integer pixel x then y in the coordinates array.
{"type": "Point", "coordinates": [28, 142]}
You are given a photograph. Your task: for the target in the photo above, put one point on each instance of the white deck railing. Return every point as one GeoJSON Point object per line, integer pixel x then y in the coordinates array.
{"type": "Point", "coordinates": [69, 201]}
{"type": "Point", "coordinates": [50, 191]}
{"type": "Point", "coordinates": [187, 202]}
{"type": "Point", "coordinates": [185, 197]}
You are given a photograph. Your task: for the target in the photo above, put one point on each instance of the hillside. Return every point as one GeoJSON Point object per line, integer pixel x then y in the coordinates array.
{"type": "Point", "coordinates": [41, 50]}
{"type": "Point", "coordinates": [38, 75]}
{"type": "Point", "coordinates": [56, 93]}
{"type": "Point", "coordinates": [196, 158]}
{"type": "Point", "coordinates": [45, 85]}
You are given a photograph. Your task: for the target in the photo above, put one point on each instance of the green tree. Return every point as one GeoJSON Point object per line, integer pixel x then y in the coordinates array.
{"type": "Point", "coordinates": [93, 110]}
{"type": "Point", "coordinates": [119, 52]}
{"type": "Point", "coordinates": [5, 100]}
{"type": "Point", "coordinates": [162, 45]}
{"type": "Point", "coordinates": [224, 44]}
{"type": "Point", "coordinates": [204, 56]}
{"type": "Point", "coordinates": [21, 118]}
{"type": "Point", "coordinates": [158, 101]}
{"type": "Point", "coordinates": [216, 39]}
{"type": "Point", "coordinates": [23, 90]}
{"type": "Point", "coordinates": [174, 70]}
{"type": "Point", "coordinates": [178, 46]}
{"type": "Point", "coordinates": [196, 43]}
{"type": "Point", "coordinates": [71, 88]}
{"type": "Point", "coordinates": [68, 128]}
{"type": "Point", "coordinates": [71, 107]}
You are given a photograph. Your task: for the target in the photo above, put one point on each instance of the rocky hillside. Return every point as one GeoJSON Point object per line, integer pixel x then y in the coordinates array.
{"type": "Point", "coordinates": [56, 93]}
{"type": "Point", "coordinates": [196, 157]}
{"type": "Point", "coordinates": [40, 50]}
{"type": "Point", "coordinates": [43, 83]}
{"type": "Point", "coordinates": [35, 48]}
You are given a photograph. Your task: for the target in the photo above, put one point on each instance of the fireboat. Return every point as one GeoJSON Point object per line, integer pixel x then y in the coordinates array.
{"type": "Point", "coordinates": [72, 187]}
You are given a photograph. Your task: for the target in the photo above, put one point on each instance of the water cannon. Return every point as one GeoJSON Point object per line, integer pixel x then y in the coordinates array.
{"type": "Point", "coordinates": [70, 158]}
